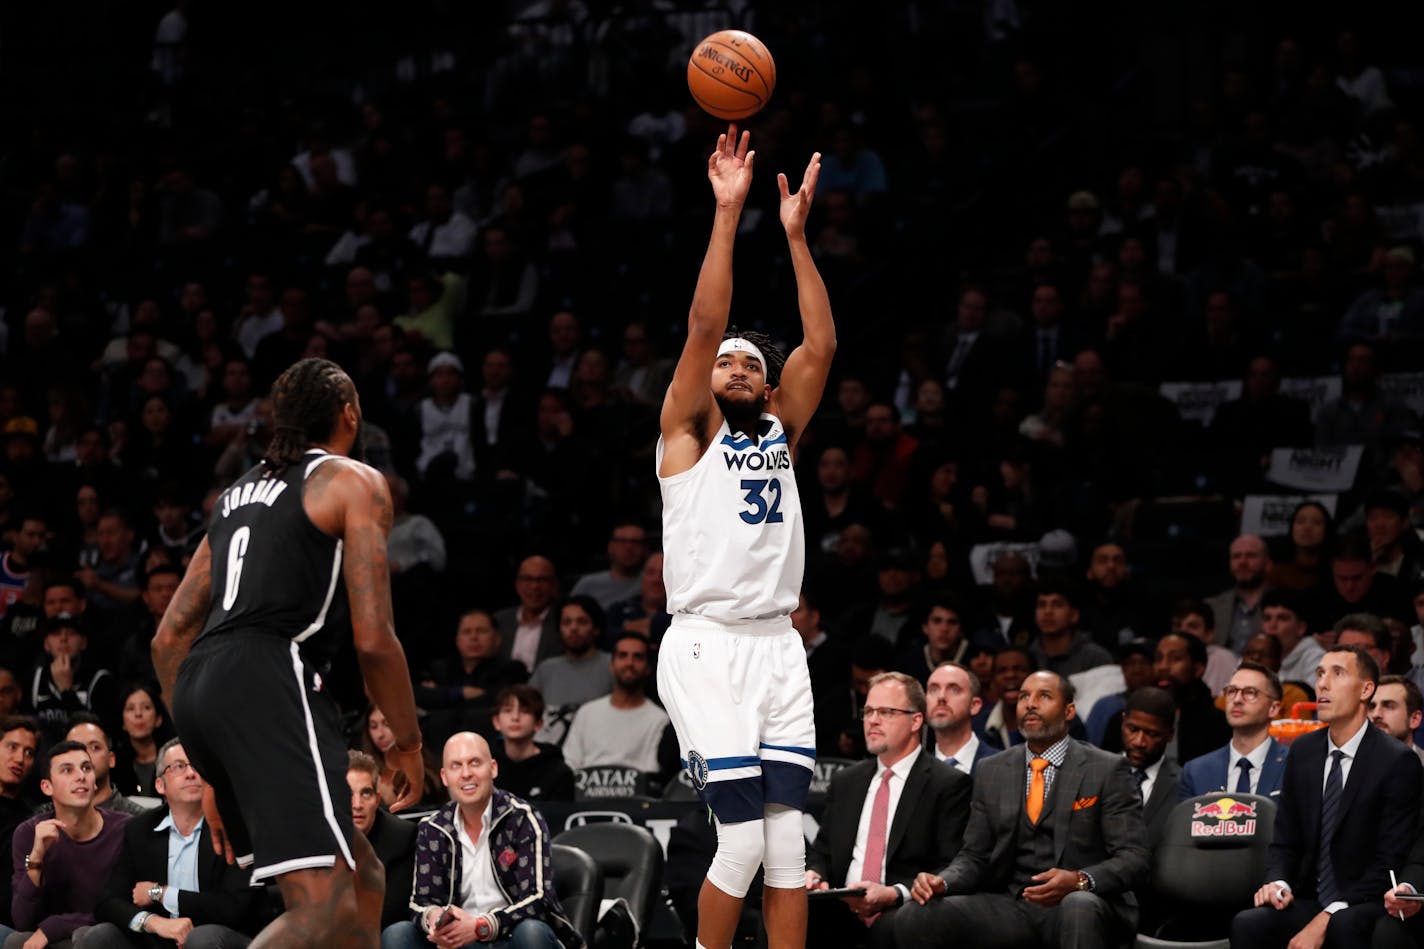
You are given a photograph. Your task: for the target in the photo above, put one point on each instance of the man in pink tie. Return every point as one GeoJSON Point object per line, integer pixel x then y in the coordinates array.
{"type": "Point", "coordinates": [885, 818]}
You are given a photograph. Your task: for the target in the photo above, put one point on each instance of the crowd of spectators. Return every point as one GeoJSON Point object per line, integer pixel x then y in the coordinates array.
{"type": "Point", "coordinates": [1103, 306]}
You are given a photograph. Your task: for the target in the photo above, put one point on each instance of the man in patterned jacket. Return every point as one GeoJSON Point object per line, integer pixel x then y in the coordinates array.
{"type": "Point", "coordinates": [482, 866]}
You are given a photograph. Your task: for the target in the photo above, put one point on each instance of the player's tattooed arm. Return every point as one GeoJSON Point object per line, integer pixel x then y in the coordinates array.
{"type": "Point", "coordinates": [183, 620]}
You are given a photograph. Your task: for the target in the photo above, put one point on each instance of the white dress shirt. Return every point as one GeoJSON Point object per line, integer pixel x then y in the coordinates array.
{"type": "Point", "coordinates": [527, 637]}
{"type": "Point", "coordinates": [964, 757]}
{"type": "Point", "coordinates": [901, 773]}
{"type": "Point", "coordinates": [1151, 771]}
{"type": "Point", "coordinates": [479, 890]}
{"type": "Point", "coordinates": [1257, 757]}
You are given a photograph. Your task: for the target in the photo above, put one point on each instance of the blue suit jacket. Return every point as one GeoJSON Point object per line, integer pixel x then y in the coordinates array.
{"type": "Point", "coordinates": [1207, 774]}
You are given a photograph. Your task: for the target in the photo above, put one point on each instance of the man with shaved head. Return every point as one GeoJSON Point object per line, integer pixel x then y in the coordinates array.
{"type": "Point", "coordinates": [484, 872]}
{"type": "Point", "coordinates": [1238, 610]}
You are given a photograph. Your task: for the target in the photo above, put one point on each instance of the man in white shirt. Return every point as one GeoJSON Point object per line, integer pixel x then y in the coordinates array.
{"type": "Point", "coordinates": [1348, 811]}
{"type": "Point", "coordinates": [1252, 762]}
{"type": "Point", "coordinates": [884, 819]}
{"type": "Point", "coordinates": [624, 727]}
{"type": "Point", "coordinates": [953, 699]}
{"type": "Point", "coordinates": [482, 845]}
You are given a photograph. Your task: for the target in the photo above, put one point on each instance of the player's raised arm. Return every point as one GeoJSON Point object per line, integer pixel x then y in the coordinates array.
{"type": "Point", "coordinates": [365, 500]}
{"type": "Point", "coordinates": [689, 397]}
{"type": "Point", "coordinates": [183, 620]}
{"type": "Point", "coordinates": [803, 378]}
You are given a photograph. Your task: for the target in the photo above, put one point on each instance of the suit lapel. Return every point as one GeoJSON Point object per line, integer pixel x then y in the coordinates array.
{"type": "Point", "coordinates": [1274, 769]}
{"type": "Point", "coordinates": [1164, 790]}
{"type": "Point", "coordinates": [915, 782]}
{"type": "Point", "coordinates": [1361, 769]}
{"type": "Point", "coordinates": [857, 787]}
{"type": "Point", "coordinates": [1065, 792]}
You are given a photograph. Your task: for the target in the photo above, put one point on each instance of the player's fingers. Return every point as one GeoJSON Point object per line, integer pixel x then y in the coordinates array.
{"type": "Point", "coordinates": [782, 184]}
{"type": "Point", "coordinates": [813, 174]}
{"type": "Point", "coordinates": [747, 162]}
{"type": "Point", "coordinates": [407, 799]}
{"type": "Point", "coordinates": [742, 142]}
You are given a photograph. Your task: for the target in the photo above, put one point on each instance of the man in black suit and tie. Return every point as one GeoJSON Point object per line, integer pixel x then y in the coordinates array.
{"type": "Point", "coordinates": [1348, 811]}
{"type": "Point", "coordinates": [1147, 729]}
{"type": "Point", "coordinates": [884, 819]}
{"type": "Point", "coordinates": [530, 630]}
{"type": "Point", "coordinates": [953, 699]}
{"type": "Point", "coordinates": [168, 885]}
{"type": "Point", "coordinates": [1054, 847]}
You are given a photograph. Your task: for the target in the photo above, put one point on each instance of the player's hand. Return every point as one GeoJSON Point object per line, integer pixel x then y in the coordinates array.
{"type": "Point", "coordinates": [1400, 909]}
{"type": "Point", "coordinates": [222, 845]}
{"type": "Point", "coordinates": [1273, 896]}
{"type": "Point", "coordinates": [730, 168]}
{"type": "Point", "coordinates": [46, 833]}
{"type": "Point", "coordinates": [1052, 886]}
{"type": "Point", "coordinates": [411, 765]}
{"type": "Point", "coordinates": [814, 881]}
{"type": "Point", "coordinates": [796, 207]}
{"type": "Point", "coordinates": [926, 887]}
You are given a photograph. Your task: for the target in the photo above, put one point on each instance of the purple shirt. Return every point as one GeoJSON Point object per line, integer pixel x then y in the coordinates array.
{"type": "Point", "coordinates": [73, 876]}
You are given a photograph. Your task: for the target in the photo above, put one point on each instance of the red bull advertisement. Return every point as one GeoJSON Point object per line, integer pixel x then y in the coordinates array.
{"type": "Point", "coordinates": [1224, 817]}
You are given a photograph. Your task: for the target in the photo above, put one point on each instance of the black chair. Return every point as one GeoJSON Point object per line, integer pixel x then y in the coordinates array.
{"type": "Point", "coordinates": [1209, 864]}
{"type": "Point", "coordinates": [578, 880]}
{"type": "Point", "coordinates": [631, 860]}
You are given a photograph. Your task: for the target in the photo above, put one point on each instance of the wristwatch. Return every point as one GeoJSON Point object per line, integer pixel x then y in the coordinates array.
{"type": "Point", "coordinates": [32, 864]}
{"type": "Point", "coordinates": [155, 893]}
{"type": "Point", "coordinates": [1085, 882]}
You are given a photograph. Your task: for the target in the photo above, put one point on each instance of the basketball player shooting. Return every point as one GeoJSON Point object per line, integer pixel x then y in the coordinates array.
{"type": "Point", "coordinates": [268, 588]}
{"type": "Point", "coordinates": [732, 670]}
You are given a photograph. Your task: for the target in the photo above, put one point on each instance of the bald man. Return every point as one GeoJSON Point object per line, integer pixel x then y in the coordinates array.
{"type": "Point", "coordinates": [531, 629]}
{"type": "Point", "coordinates": [483, 844]}
{"type": "Point", "coordinates": [1238, 610]}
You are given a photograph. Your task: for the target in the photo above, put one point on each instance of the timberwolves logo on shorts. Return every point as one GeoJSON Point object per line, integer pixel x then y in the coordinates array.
{"type": "Point", "coordinates": [697, 650]}
{"type": "Point", "coordinates": [697, 770]}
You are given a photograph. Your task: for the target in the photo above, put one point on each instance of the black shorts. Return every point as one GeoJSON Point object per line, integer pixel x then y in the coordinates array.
{"type": "Point", "coordinates": [257, 724]}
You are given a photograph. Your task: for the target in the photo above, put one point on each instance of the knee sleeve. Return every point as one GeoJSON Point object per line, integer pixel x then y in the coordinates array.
{"type": "Point", "coordinates": [785, 857]}
{"type": "Point", "coordinates": [739, 852]}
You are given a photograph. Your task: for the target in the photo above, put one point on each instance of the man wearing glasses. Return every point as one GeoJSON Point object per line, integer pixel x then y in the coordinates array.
{"type": "Point", "coordinates": [1252, 762]}
{"type": "Point", "coordinates": [885, 819]}
{"type": "Point", "coordinates": [168, 886]}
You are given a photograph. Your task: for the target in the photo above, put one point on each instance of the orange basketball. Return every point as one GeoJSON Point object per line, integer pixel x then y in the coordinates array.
{"type": "Point", "coordinates": [731, 74]}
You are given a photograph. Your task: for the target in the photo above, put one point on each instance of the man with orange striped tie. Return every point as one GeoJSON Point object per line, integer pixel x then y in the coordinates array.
{"type": "Point", "coordinates": [1054, 847]}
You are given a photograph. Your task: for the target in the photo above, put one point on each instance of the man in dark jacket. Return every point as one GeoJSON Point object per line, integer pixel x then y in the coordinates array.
{"type": "Point", "coordinates": [393, 839]}
{"type": "Point", "coordinates": [504, 890]}
{"type": "Point", "coordinates": [168, 885]}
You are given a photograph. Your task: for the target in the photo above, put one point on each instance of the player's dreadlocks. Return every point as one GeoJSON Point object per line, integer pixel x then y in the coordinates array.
{"type": "Point", "coordinates": [306, 400]}
{"type": "Point", "coordinates": [774, 356]}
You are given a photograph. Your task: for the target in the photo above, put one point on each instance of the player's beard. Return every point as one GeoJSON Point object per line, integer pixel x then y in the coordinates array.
{"type": "Point", "coordinates": [742, 417]}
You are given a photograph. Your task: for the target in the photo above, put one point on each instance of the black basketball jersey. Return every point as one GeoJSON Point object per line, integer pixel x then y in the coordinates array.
{"type": "Point", "coordinates": [273, 570]}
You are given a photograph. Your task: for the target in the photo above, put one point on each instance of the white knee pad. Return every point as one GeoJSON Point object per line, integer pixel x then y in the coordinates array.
{"type": "Point", "coordinates": [739, 851]}
{"type": "Point", "coordinates": [785, 848]}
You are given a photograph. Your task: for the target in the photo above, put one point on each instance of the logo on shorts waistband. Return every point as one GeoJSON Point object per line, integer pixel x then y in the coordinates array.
{"type": "Point", "coordinates": [697, 650]}
{"type": "Point", "coordinates": [697, 770]}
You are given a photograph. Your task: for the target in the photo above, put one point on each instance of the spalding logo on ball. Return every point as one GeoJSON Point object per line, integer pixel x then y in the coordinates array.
{"type": "Point", "coordinates": [731, 74]}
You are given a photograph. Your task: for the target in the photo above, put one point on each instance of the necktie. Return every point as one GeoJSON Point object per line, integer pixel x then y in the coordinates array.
{"type": "Point", "coordinates": [1329, 821]}
{"type": "Point", "coordinates": [875, 841]}
{"type": "Point", "coordinates": [1036, 789]}
{"type": "Point", "coordinates": [1141, 777]}
{"type": "Point", "coordinates": [952, 762]}
{"type": "Point", "coordinates": [1243, 783]}
{"type": "Point", "coordinates": [956, 359]}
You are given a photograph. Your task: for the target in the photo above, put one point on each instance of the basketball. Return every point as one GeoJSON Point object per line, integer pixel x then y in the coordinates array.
{"type": "Point", "coordinates": [731, 74]}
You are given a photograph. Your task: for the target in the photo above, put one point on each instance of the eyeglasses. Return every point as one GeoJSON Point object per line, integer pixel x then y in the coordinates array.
{"type": "Point", "coordinates": [869, 713]}
{"type": "Point", "coordinates": [179, 766]}
{"type": "Point", "coordinates": [1249, 693]}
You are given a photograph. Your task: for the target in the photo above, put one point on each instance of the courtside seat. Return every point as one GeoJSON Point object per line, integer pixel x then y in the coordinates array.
{"type": "Point", "coordinates": [1210, 863]}
{"type": "Point", "coordinates": [631, 860]}
{"type": "Point", "coordinates": [578, 880]}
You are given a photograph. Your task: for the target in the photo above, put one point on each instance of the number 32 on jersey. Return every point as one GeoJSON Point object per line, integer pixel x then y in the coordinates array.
{"type": "Point", "coordinates": [764, 496]}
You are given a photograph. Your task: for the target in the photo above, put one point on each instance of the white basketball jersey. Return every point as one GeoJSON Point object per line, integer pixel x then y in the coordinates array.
{"type": "Point", "coordinates": [734, 545]}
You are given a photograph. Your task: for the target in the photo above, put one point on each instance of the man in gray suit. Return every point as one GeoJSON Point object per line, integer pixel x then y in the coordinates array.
{"type": "Point", "coordinates": [1055, 844]}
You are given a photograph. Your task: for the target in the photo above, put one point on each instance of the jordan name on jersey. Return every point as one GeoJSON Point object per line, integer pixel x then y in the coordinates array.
{"type": "Point", "coordinates": [265, 491]}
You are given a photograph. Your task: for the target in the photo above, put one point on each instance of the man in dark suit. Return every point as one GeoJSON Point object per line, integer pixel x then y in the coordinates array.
{"type": "Point", "coordinates": [1252, 762]}
{"type": "Point", "coordinates": [393, 839]}
{"type": "Point", "coordinates": [168, 885]}
{"type": "Point", "coordinates": [884, 819]}
{"type": "Point", "coordinates": [530, 630]}
{"type": "Point", "coordinates": [1348, 813]}
{"type": "Point", "coordinates": [1147, 727]}
{"type": "Point", "coordinates": [1054, 847]}
{"type": "Point", "coordinates": [953, 699]}
{"type": "Point", "coordinates": [1402, 925]}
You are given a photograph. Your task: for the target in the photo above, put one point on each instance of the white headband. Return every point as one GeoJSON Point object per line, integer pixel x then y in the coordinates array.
{"type": "Point", "coordinates": [737, 344]}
